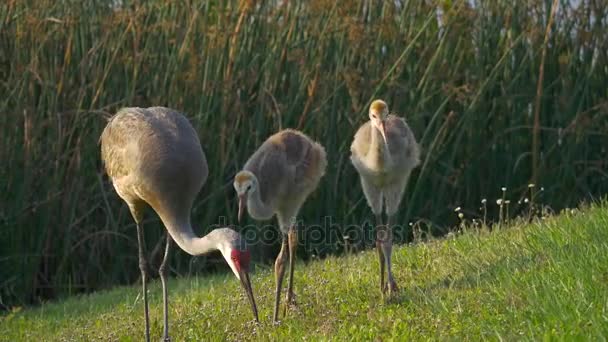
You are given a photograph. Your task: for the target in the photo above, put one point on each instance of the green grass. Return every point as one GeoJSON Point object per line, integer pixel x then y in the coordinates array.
{"type": "Point", "coordinates": [522, 281]}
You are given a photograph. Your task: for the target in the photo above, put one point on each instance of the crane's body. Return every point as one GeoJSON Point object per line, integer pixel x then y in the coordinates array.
{"type": "Point", "coordinates": [276, 180]}
{"type": "Point", "coordinates": [384, 152]}
{"type": "Point", "coordinates": [154, 157]}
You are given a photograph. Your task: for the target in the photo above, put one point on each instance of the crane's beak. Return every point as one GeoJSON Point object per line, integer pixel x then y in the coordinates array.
{"type": "Point", "coordinates": [242, 201]}
{"type": "Point", "coordinates": [383, 131]}
{"type": "Point", "coordinates": [244, 277]}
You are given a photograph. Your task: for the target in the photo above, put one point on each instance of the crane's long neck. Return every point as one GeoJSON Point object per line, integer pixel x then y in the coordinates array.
{"type": "Point", "coordinates": [378, 150]}
{"type": "Point", "coordinates": [182, 233]}
{"type": "Point", "coordinates": [257, 208]}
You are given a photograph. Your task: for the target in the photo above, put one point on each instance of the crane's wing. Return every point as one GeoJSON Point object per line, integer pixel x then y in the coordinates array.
{"type": "Point", "coordinates": [287, 160]}
{"type": "Point", "coordinates": [115, 140]}
{"type": "Point", "coordinates": [402, 144]}
{"type": "Point", "coordinates": [361, 142]}
{"type": "Point", "coordinates": [305, 158]}
{"type": "Point", "coordinates": [154, 148]}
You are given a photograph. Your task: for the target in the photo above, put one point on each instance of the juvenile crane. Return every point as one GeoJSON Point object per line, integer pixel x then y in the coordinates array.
{"type": "Point", "coordinates": [153, 156]}
{"type": "Point", "coordinates": [384, 152]}
{"type": "Point", "coordinates": [277, 179]}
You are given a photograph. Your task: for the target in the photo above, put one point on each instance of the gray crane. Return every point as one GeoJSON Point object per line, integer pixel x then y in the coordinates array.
{"type": "Point", "coordinates": [153, 156]}
{"type": "Point", "coordinates": [277, 179]}
{"type": "Point", "coordinates": [384, 152]}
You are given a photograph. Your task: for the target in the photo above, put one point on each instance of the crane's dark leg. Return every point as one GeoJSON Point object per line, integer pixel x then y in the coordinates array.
{"type": "Point", "coordinates": [162, 271]}
{"type": "Point", "coordinates": [387, 247]}
{"type": "Point", "coordinates": [293, 244]}
{"type": "Point", "coordinates": [142, 265]}
{"type": "Point", "coordinates": [380, 232]}
{"type": "Point", "coordinates": [279, 272]}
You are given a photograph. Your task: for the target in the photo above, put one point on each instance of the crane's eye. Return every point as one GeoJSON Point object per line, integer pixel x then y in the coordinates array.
{"type": "Point", "coordinates": [374, 116]}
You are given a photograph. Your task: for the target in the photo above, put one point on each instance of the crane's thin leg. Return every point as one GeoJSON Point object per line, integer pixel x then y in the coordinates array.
{"type": "Point", "coordinates": [279, 272]}
{"type": "Point", "coordinates": [393, 196]}
{"type": "Point", "coordinates": [293, 244]}
{"type": "Point", "coordinates": [379, 236]}
{"type": "Point", "coordinates": [391, 286]}
{"type": "Point", "coordinates": [142, 267]}
{"type": "Point", "coordinates": [374, 198]}
{"type": "Point", "coordinates": [162, 271]}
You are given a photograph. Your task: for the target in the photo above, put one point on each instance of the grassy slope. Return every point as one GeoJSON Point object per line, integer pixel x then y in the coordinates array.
{"type": "Point", "coordinates": [548, 278]}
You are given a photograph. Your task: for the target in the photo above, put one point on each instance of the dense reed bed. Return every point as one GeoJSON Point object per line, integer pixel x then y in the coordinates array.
{"type": "Point", "coordinates": [464, 75]}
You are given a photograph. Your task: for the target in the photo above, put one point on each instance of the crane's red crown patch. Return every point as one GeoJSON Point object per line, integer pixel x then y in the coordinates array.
{"type": "Point", "coordinates": [241, 259]}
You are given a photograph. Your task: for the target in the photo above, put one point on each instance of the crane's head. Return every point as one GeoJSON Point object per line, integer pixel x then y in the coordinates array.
{"type": "Point", "coordinates": [245, 183]}
{"type": "Point", "coordinates": [378, 112]}
{"type": "Point", "coordinates": [236, 253]}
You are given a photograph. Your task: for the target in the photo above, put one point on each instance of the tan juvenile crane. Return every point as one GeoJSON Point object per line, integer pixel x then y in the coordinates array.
{"type": "Point", "coordinates": [277, 179]}
{"type": "Point", "coordinates": [384, 152]}
{"type": "Point", "coordinates": [153, 156]}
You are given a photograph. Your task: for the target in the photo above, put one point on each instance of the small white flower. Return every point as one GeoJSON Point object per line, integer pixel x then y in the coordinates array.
{"type": "Point", "coordinates": [526, 200]}
{"type": "Point", "coordinates": [507, 201]}
{"type": "Point", "coordinates": [499, 201]}
{"type": "Point", "coordinates": [542, 189]}
{"type": "Point", "coordinates": [457, 209]}
{"type": "Point", "coordinates": [504, 188]}
{"type": "Point", "coordinates": [483, 201]}
{"type": "Point", "coordinates": [531, 185]}
{"type": "Point", "coordinates": [460, 216]}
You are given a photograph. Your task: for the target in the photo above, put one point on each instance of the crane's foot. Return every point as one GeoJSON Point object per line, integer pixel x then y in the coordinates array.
{"type": "Point", "coordinates": [291, 299]}
{"type": "Point", "coordinates": [390, 288]}
{"type": "Point", "coordinates": [290, 303]}
{"type": "Point", "coordinates": [252, 324]}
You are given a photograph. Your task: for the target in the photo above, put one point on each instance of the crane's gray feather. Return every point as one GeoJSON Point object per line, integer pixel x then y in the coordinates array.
{"type": "Point", "coordinates": [288, 165]}
{"type": "Point", "coordinates": [156, 154]}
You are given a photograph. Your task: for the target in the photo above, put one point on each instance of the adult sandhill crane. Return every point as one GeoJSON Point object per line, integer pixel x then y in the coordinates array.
{"type": "Point", "coordinates": [384, 152]}
{"type": "Point", "coordinates": [277, 179]}
{"type": "Point", "coordinates": [153, 156]}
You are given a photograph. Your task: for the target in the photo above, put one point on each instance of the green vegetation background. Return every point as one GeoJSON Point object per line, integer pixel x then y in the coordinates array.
{"type": "Point", "coordinates": [464, 76]}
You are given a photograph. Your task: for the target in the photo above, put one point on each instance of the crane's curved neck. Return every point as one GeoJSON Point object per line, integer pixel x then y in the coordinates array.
{"type": "Point", "coordinates": [378, 149]}
{"type": "Point", "coordinates": [257, 208]}
{"type": "Point", "coordinates": [183, 235]}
